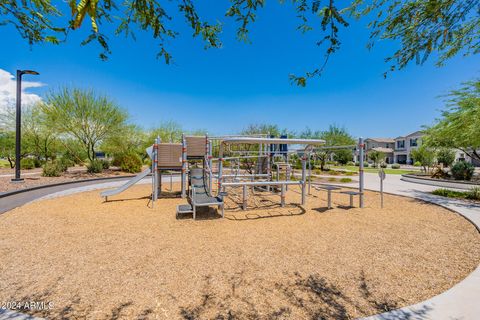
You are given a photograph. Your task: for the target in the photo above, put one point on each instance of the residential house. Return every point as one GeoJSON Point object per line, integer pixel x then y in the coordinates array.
{"type": "Point", "coordinates": [404, 146]}
{"type": "Point", "coordinates": [384, 145]}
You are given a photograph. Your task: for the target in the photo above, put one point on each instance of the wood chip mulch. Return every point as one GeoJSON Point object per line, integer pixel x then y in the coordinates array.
{"type": "Point", "coordinates": [125, 260]}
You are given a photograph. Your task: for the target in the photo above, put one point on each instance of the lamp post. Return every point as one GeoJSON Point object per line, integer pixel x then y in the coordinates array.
{"type": "Point", "coordinates": [18, 130]}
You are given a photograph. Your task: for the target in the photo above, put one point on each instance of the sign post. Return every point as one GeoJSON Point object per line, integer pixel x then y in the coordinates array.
{"type": "Point", "coordinates": [382, 175]}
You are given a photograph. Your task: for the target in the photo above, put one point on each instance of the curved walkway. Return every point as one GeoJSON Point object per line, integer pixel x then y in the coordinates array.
{"type": "Point", "coordinates": [459, 302]}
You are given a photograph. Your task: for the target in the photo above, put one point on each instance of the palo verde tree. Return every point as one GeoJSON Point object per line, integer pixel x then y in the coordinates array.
{"type": "Point", "coordinates": [459, 126]}
{"type": "Point", "coordinates": [376, 157]}
{"type": "Point", "coordinates": [420, 28]}
{"type": "Point", "coordinates": [85, 116]}
{"type": "Point", "coordinates": [334, 136]}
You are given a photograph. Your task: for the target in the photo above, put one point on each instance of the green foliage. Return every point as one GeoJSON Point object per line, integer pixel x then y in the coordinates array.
{"type": "Point", "coordinates": [105, 164]}
{"type": "Point", "coordinates": [376, 157]}
{"type": "Point", "coordinates": [95, 166]}
{"type": "Point", "coordinates": [365, 164]}
{"type": "Point", "coordinates": [383, 165]}
{"type": "Point", "coordinates": [446, 156]}
{"type": "Point", "coordinates": [84, 116]}
{"type": "Point", "coordinates": [472, 194]}
{"type": "Point", "coordinates": [130, 162]}
{"type": "Point", "coordinates": [27, 163]}
{"type": "Point", "coordinates": [334, 136]}
{"type": "Point", "coordinates": [463, 170]}
{"type": "Point", "coordinates": [343, 156]}
{"type": "Point", "coordinates": [52, 169]}
{"type": "Point", "coordinates": [458, 127]}
{"type": "Point", "coordinates": [65, 163]}
{"type": "Point", "coordinates": [395, 166]}
{"type": "Point", "coordinates": [350, 163]}
{"type": "Point", "coordinates": [421, 29]}
{"type": "Point", "coordinates": [170, 132]}
{"type": "Point", "coordinates": [425, 156]}
{"type": "Point", "coordinates": [417, 164]}
{"type": "Point", "coordinates": [345, 180]}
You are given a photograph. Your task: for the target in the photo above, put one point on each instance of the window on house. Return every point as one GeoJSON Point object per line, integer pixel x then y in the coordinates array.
{"type": "Point", "coordinates": [401, 144]}
{"type": "Point", "coordinates": [413, 142]}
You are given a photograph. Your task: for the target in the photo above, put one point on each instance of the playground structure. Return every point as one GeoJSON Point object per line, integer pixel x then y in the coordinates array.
{"type": "Point", "coordinates": [214, 167]}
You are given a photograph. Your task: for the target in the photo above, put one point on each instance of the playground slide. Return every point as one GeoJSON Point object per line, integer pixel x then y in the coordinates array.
{"type": "Point", "coordinates": [127, 185]}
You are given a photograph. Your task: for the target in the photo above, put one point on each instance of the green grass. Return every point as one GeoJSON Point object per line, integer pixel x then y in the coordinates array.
{"type": "Point", "coordinates": [387, 170]}
{"type": "Point", "coordinates": [4, 164]}
{"type": "Point", "coordinates": [473, 194]}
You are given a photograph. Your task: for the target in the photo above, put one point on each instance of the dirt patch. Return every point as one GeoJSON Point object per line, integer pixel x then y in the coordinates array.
{"type": "Point", "coordinates": [125, 260]}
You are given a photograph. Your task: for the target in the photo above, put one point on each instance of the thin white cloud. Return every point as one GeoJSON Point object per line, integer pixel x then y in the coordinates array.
{"type": "Point", "coordinates": [8, 89]}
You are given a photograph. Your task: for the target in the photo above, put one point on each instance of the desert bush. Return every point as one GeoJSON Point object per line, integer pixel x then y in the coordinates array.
{"type": "Point", "coordinates": [27, 163]}
{"type": "Point", "coordinates": [52, 169]}
{"type": "Point", "coordinates": [351, 163]}
{"type": "Point", "coordinates": [357, 164]}
{"type": "Point", "coordinates": [131, 162]}
{"type": "Point", "coordinates": [417, 164]}
{"type": "Point", "coordinates": [448, 193]}
{"type": "Point", "coordinates": [462, 170]}
{"type": "Point", "coordinates": [366, 164]}
{"type": "Point", "coordinates": [395, 166]}
{"type": "Point", "coordinates": [346, 180]}
{"type": "Point", "coordinates": [64, 163]}
{"type": "Point", "coordinates": [105, 164]}
{"type": "Point", "coordinates": [473, 194]}
{"type": "Point", "coordinates": [95, 166]}
{"type": "Point", "coordinates": [38, 163]}
{"type": "Point", "coordinates": [383, 165]}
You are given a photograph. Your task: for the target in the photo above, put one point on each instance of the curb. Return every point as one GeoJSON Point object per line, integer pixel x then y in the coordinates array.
{"type": "Point", "coordinates": [11, 193]}
{"type": "Point", "coordinates": [464, 185]}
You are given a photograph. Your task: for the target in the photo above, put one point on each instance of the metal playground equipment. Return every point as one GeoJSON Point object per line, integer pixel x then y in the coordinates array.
{"type": "Point", "coordinates": [211, 168]}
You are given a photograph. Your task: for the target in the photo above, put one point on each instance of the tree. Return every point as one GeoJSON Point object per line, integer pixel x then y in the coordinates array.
{"type": "Point", "coordinates": [376, 157]}
{"type": "Point", "coordinates": [169, 132]}
{"type": "Point", "coordinates": [334, 136]}
{"type": "Point", "coordinates": [425, 156]}
{"type": "Point", "coordinates": [343, 156]}
{"type": "Point", "coordinates": [446, 156]}
{"type": "Point", "coordinates": [38, 137]}
{"type": "Point", "coordinates": [7, 147]}
{"type": "Point", "coordinates": [419, 27]}
{"type": "Point", "coordinates": [459, 126]}
{"type": "Point", "coordinates": [85, 116]}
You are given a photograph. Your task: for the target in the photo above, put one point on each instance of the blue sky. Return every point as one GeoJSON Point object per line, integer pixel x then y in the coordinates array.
{"type": "Point", "coordinates": [223, 90]}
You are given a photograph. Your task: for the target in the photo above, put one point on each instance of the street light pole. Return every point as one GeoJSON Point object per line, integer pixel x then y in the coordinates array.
{"type": "Point", "coordinates": [18, 130]}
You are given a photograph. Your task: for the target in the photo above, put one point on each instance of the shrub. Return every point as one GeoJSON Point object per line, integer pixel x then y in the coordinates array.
{"type": "Point", "coordinates": [417, 164]}
{"type": "Point", "coordinates": [448, 193]}
{"type": "Point", "coordinates": [331, 162]}
{"type": "Point", "coordinates": [473, 194]}
{"type": "Point", "coordinates": [462, 170]}
{"type": "Point", "coordinates": [365, 164]}
{"type": "Point", "coordinates": [351, 163]}
{"type": "Point", "coordinates": [349, 173]}
{"type": "Point", "coordinates": [446, 157]}
{"type": "Point", "coordinates": [105, 163]}
{"type": "Point", "coordinates": [95, 166]}
{"type": "Point", "coordinates": [357, 164]}
{"type": "Point", "coordinates": [332, 179]}
{"type": "Point", "coordinates": [64, 163]}
{"type": "Point", "coordinates": [383, 165]}
{"type": "Point", "coordinates": [38, 163]}
{"type": "Point", "coordinates": [395, 166]}
{"type": "Point", "coordinates": [346, 180]}
{"type": "Point", "coordinates": [342, 156]}
{"type": "Point", "coordinates": [52, 169]}
{"type": "Point", "coordinates": [131, 162]}
{"type": "Point", "coordinates": [27, 163]}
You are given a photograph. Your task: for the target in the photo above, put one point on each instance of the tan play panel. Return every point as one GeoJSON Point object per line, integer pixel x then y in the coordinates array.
{"type": "Point", "coordinates": [123, 259]}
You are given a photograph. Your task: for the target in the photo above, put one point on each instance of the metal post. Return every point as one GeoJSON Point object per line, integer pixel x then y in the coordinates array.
{"type": "Point", "coordinates": [155, 169]}
{"type": "Point", "coordinates": [329, 199]}
{"type": "Point", "coordinates": [268, 165]}
{"type": "Point", "coordinates": [244, 204]}
{"type": "Point", "coordinates": [282, 196]}
{"type": "Point", "coordinates": [309, 174]}
{"type": "Point", "coordinates": [18, 130]}
{"type": "Point", "coordinates": [304, 167]}
{"type": "Point", "coordinates": [361, 146]}
{"type": "Point", "coordinates": [210, 163]}
{"type": "Point", "coordinates": [184, 166]}
{"type": "Point", "coordinates": [381, 193]}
